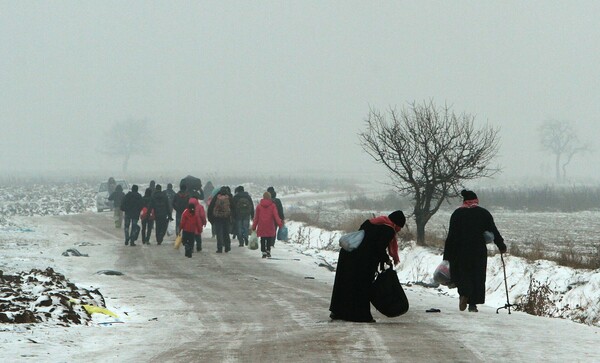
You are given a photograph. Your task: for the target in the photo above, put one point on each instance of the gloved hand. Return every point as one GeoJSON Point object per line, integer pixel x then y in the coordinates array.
{"type": "Point", "coordinates": [502, 247]}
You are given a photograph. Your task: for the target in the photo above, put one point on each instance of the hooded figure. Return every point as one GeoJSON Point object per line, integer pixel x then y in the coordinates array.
{"type": "Point", "coordinates": [117, 198]}
{"type": "Point", "coordinates": [189, 226]}
{"type": "Point", "coordinates": [466, 249]}
{"type": "Point", "coordinates": [265, 221]}
{"type": "Point", "coordinates": [201, 216]}
{"type": "Point", "coordinates": [350, 299]}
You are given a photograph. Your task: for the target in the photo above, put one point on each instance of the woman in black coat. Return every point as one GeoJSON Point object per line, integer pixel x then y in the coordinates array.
{"type": "Point", "coordinates": [466, 249]}
{"type": "Point", "coordinates": [350, 299]}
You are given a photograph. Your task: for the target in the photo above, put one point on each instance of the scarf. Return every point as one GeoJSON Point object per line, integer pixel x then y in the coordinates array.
{"type": "Point", "coordinates": [470, 203]}
{"type": "Point", "coordinates": [393, 245]}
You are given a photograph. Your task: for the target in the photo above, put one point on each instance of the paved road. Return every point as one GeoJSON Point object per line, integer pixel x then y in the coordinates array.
{"type": "Point", "coordinates": [239, 307]}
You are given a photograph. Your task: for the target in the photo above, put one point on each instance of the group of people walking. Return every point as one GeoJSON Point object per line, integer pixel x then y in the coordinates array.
{"type": "Point", "coordinates": [154, 210]}
{"type": "Point", "coordinates": [230, 215]}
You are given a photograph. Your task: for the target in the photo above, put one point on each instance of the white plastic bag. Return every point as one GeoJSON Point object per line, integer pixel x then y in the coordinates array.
{"type": "Point", "coordinates": [488, 237]}
{"type": "Point", "coordinates": [352, 240]}
{"type": "Point", "coordinates": [253, 241]}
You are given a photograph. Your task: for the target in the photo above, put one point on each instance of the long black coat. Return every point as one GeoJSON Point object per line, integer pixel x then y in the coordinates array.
{"type": "Point", "coordinates": [350, 299]}
{"type": "Point", "coordinates": [466, 250]}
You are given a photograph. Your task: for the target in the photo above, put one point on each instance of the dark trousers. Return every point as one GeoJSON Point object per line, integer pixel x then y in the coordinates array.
{"type": "Point", "coordinates": [132, 230]}
{"type": "Point", "coordinates": [147, 226]}
{"type": "Point", "coordinates": [198, 238]}
{"type": "Point", "coordinates": [161, 228]}
{"type": "Point", "coordinates": [265, 244]}
{"type": "Point", "coordinates": [221, 228]}
{"type": "Point", "coordinates": [187, 238]}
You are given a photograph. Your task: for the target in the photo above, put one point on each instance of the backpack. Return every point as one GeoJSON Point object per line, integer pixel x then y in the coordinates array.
{"type": "Point", "coordinates": [243, 207]}
{"type": "Point", "coordinates": [145, 215]}
{"type": "Point", "coordinates": [222, 207]}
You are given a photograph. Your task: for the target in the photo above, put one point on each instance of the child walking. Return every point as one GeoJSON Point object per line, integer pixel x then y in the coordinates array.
{"type": "Point", "coordinates": [188, 227]}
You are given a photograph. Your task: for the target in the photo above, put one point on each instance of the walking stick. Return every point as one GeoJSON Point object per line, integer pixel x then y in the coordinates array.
{"type": "Point", "coordinates": [508, 304]}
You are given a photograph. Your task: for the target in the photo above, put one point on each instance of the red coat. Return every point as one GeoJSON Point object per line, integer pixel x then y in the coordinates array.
{"type": "Point", "coordinates": [189, 222]}
{"type": "Point", "coordinates": [200, 214]}
{"type": "Point", "coordinates": [265, 218]}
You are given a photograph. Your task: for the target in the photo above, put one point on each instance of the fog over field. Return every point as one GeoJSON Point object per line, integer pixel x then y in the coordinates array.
{"type": "Point", "coordinates": [282, 87]}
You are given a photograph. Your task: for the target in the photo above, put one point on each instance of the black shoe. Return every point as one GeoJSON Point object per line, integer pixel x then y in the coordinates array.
{"type": "Point", "coordinates": [126, 243]}
{"type": "Point", "coordinates": [241, 245]}
{"type": "Point", "coordinates": [219, 251]}
{"type": "Point", "coordinates": [132, 244]}
{"type": "Point", "coordinates": [473, 308]}
{"type": "Point", "coordinates": [198, 249]}
{"type": "Point", "coordinates": [268, 254]}
{"type": "Point", "coordinates": [264, 255]}
{"type": "Point", "coordinates": [227, 250]}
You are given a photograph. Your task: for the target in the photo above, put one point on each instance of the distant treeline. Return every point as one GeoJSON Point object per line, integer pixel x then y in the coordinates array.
{"type": "Point", "coordinates": [546, 198]}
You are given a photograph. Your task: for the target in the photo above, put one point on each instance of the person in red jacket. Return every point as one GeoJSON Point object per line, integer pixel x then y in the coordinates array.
{"type": "Point", "coordinates": [189, 225]}
{"type": "Point", "coordinates": [265, 220]}
{"type": "Point", "coordinates": [201, 215]}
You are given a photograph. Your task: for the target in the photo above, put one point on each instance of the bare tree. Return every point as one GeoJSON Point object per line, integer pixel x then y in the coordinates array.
{"type": "Point", "coordinates": [126, 139]}
{"type": "Point", "coordinates": [560, 139]}
{"type": "Point", "coordinates": [429, 151]}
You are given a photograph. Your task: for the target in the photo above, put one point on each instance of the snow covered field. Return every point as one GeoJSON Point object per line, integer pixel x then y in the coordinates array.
{"type": "Point", "coordinates": [28, 243]}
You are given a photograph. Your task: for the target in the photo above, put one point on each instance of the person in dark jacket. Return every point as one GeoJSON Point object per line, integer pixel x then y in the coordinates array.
{"type": "Point", "coordinates": [180, 201]}
{"type": "Point", "coordinates": [350, 299]}
{"type": "Point", "coordinates": [219, 215]}
{"type": "Point", "coordinates": [152, 186]}
{"type": "Point", "coordinates": [131, 205]}
{"type": "Point", "coordinates": [279, 206]}
{"type": "Point", "coordinates": [148, 217]}
{"type": "Point", "coordinates": [117, 197]}
{"type": "Point", "coordinates": [243, 211]}
{"type": "Point", "coordinates": [466, 249]}
{"type": "Point", "coordinates": [208, 190]}
{"type": "Point", "coordinates": [170, 196]}
{"type": "Point", "coordinates": [112, 185]}
{"type": "Point", "coordinates": [162, 213]}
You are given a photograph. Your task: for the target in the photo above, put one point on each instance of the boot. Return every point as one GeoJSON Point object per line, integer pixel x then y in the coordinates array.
{"type": "Point", "coordinates": [462, 304]}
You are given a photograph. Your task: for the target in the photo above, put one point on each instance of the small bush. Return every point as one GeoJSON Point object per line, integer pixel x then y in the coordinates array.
{"type": "Point", "coordinates": [538, 300]}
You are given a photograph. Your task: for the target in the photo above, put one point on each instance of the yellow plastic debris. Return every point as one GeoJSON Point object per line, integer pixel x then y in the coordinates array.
{"type": "Point", "coordinates": [91, 309]}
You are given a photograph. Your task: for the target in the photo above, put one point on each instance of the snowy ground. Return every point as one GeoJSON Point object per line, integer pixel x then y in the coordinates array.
{"type": "Point", "coordinates": [28, 243]}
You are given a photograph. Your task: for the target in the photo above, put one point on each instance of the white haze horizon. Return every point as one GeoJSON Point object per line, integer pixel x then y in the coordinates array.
{"type": "Point", "coordinates": [283, 88]}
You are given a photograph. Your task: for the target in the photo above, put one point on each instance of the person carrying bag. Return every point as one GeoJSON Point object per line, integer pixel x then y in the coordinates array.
{"type": "Point", "coordinates": [353, 288]}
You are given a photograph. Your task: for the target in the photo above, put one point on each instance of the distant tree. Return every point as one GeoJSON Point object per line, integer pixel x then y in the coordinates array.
{"type": "Point", "coordinates": [126, 139]}
{"type": "Point", "coordinates": [560, 139]}
{"type": "Point", "coordinates": [429, 151]}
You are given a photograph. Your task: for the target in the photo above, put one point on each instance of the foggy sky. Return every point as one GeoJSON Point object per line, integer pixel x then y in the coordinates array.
{"type": "Point", "coordinates": [294, 79]}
